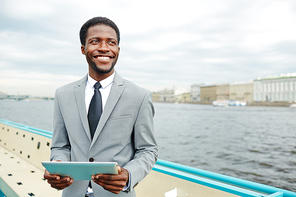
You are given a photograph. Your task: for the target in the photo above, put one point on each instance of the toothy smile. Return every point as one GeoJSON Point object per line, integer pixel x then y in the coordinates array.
{"type": "Point", "coordinates": [99, 57]}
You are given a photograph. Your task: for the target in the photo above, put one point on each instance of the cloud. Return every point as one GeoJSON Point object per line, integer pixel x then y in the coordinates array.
{"type": "Point", "coordinates": [32, 83]}
{"type": "Point", "coordinates": [26, 10]}
{"type": "Point", "coordinates": [163, 43]}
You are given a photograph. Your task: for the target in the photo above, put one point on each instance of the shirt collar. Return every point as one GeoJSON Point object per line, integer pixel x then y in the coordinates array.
{"type": "Point", "coordinates": [104, 83]}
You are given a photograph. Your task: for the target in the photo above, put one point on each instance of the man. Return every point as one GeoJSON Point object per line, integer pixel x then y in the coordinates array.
{"type": "Point", "coordinates": [124, 133]}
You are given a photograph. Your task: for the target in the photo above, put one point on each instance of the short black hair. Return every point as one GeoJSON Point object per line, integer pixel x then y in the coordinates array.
{"type": "Point", "coordinates": [97, 21]}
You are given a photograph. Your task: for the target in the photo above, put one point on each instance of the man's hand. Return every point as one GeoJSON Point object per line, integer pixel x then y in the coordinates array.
{"type": "Point", "coordinates": [56, 181]}
{"type": "Point", "coordinates": [113, 183]}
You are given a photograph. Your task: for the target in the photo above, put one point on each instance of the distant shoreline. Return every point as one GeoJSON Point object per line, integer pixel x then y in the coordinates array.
{"type": "Point", "coordinates": [268, 104]}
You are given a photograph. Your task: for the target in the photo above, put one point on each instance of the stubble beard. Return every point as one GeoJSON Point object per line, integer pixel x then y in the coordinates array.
{"type": "Point", "coordinates": [101, 71]}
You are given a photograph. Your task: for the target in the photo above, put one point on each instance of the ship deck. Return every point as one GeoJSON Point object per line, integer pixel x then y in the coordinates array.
{"type": "Point", "coordinates": [22, 148]}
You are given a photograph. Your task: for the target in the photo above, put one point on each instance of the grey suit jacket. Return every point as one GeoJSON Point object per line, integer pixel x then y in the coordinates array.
{"type": "Point", "coordinates": [124, 133]}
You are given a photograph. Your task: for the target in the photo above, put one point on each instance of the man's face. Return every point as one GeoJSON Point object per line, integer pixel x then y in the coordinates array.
{"type": "Point", "coordinates": [101, 49]}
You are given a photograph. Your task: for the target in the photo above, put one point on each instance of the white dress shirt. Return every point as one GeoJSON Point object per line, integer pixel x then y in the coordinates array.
{"type": "Point", "coordinates": [104, 90]}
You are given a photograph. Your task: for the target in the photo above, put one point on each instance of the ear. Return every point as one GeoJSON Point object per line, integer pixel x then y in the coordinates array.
{"type": "Point", "coordinates": [82, 50]}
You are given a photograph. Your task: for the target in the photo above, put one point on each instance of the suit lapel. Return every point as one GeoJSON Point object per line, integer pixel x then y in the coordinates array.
{"type": "Point", "coordinates": [115, 93]}
{"type": "Point", "coordinates": [80, 100]}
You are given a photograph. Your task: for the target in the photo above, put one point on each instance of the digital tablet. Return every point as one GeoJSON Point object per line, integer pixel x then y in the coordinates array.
{"type": "Point", "coordinates": [80, 170]}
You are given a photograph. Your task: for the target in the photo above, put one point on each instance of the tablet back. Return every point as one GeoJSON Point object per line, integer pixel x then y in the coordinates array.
{"type": "Point", "coordinates": [80, 170]}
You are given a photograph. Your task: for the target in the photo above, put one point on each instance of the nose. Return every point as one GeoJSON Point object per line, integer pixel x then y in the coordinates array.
{"type": "Point", "coordinates": [103, 46]}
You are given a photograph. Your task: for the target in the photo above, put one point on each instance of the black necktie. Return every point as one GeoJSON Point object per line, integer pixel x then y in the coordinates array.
{"type": "Point", "coordinates": [95, 110]}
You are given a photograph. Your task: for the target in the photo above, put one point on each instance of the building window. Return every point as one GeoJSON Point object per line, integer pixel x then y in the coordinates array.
{"type": "Point", "coordinates": [281, 86]}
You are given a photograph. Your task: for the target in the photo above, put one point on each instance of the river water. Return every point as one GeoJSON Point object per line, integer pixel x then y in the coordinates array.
{"type": "Point", "coordinates": [251, 143]}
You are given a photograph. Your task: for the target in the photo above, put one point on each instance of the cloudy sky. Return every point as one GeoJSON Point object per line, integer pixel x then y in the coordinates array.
{"type": "Point", "coordinates": [163, 43]}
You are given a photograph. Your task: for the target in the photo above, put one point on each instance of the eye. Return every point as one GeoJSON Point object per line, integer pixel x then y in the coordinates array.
{"type": "Point", "coordinates": [93, 41]}
{"type": "Point", "coordinates": [112, 42]}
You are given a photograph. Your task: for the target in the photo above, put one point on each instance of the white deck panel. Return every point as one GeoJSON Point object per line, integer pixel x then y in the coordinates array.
{"type": "Point", "coordinates": [23, 177]}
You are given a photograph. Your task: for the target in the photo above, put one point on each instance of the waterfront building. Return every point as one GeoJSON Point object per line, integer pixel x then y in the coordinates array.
{"type": "Point", "coordinates": [182, 94]}
{"type": "Point", "coordinates": [241, 91]}
{"type": "Point", "coordinates": [183, 98]}
{"type": "Point", "coordinates": [167, 95]}
{"type": "Point", "coordinates": [155, 96]}
{"type": "Point", "coordinates": [195, 92]}
{"type": "Point", "coordinates": [222, 92]}
{"type": "Point", "coordinates": [282, 88]}
{"type": "Point", "coordinates": [208, 93]}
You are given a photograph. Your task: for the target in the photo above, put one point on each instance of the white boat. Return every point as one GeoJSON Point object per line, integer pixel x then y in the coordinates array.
{"type": "Point", "coordinates": [224, 103]}
{"type": "Point", "coordinates": [236, 103]}
{"type": "Point", "coordinates": [292, 105]}
{"type": "Point", "coordinates": [220, 103]}
{"type": "Point", "coordinates": [22, 148]}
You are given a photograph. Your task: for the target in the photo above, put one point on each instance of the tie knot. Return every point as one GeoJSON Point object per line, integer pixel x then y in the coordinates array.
{"type": "Point", "coordinates": [97, 85]}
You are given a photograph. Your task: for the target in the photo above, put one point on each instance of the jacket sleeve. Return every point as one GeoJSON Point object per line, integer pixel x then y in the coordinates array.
{"type": "Point", "coordinates": [146, 150]}
{"type": "Point", "coordinates": [60, 147]}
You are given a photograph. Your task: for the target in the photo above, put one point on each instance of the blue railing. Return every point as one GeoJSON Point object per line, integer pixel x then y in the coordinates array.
{"type": "Point", "coordinates": [214, 180]}
{"type": "Point", "coordinates": [28, 128]}
{"type": "Point", "coordinates": [218, 181]}
{"type": "Point", "coordinates": [1, 194]}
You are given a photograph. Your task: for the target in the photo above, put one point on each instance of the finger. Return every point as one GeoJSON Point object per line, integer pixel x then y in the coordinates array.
{"type": "Point", "coordinates": [60, 180]}
{"type": "Point", "coordinates": [61, 184]}
{"type": "Point", "coordinates": [119, 170]}
{"type": "Point", "coordinates": [49, 176]}
{"type": "Point", "coordinates": [46, 174]}
{"type": "Point", "coordinates": [114, 187]}
{"type": "Point", "coordinates": [108, 177]}
{"type": "Point", "coordinates": [123, 176]}
{"type": "Point", "coordinates": [120, 184]}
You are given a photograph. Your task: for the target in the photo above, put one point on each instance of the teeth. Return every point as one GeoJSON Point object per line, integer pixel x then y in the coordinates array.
{"type": "Point", "coordinates": [102, 58]}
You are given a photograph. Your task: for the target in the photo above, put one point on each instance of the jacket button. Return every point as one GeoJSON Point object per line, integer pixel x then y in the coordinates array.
{"type": "Point", "coordinates": [91, 159]}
